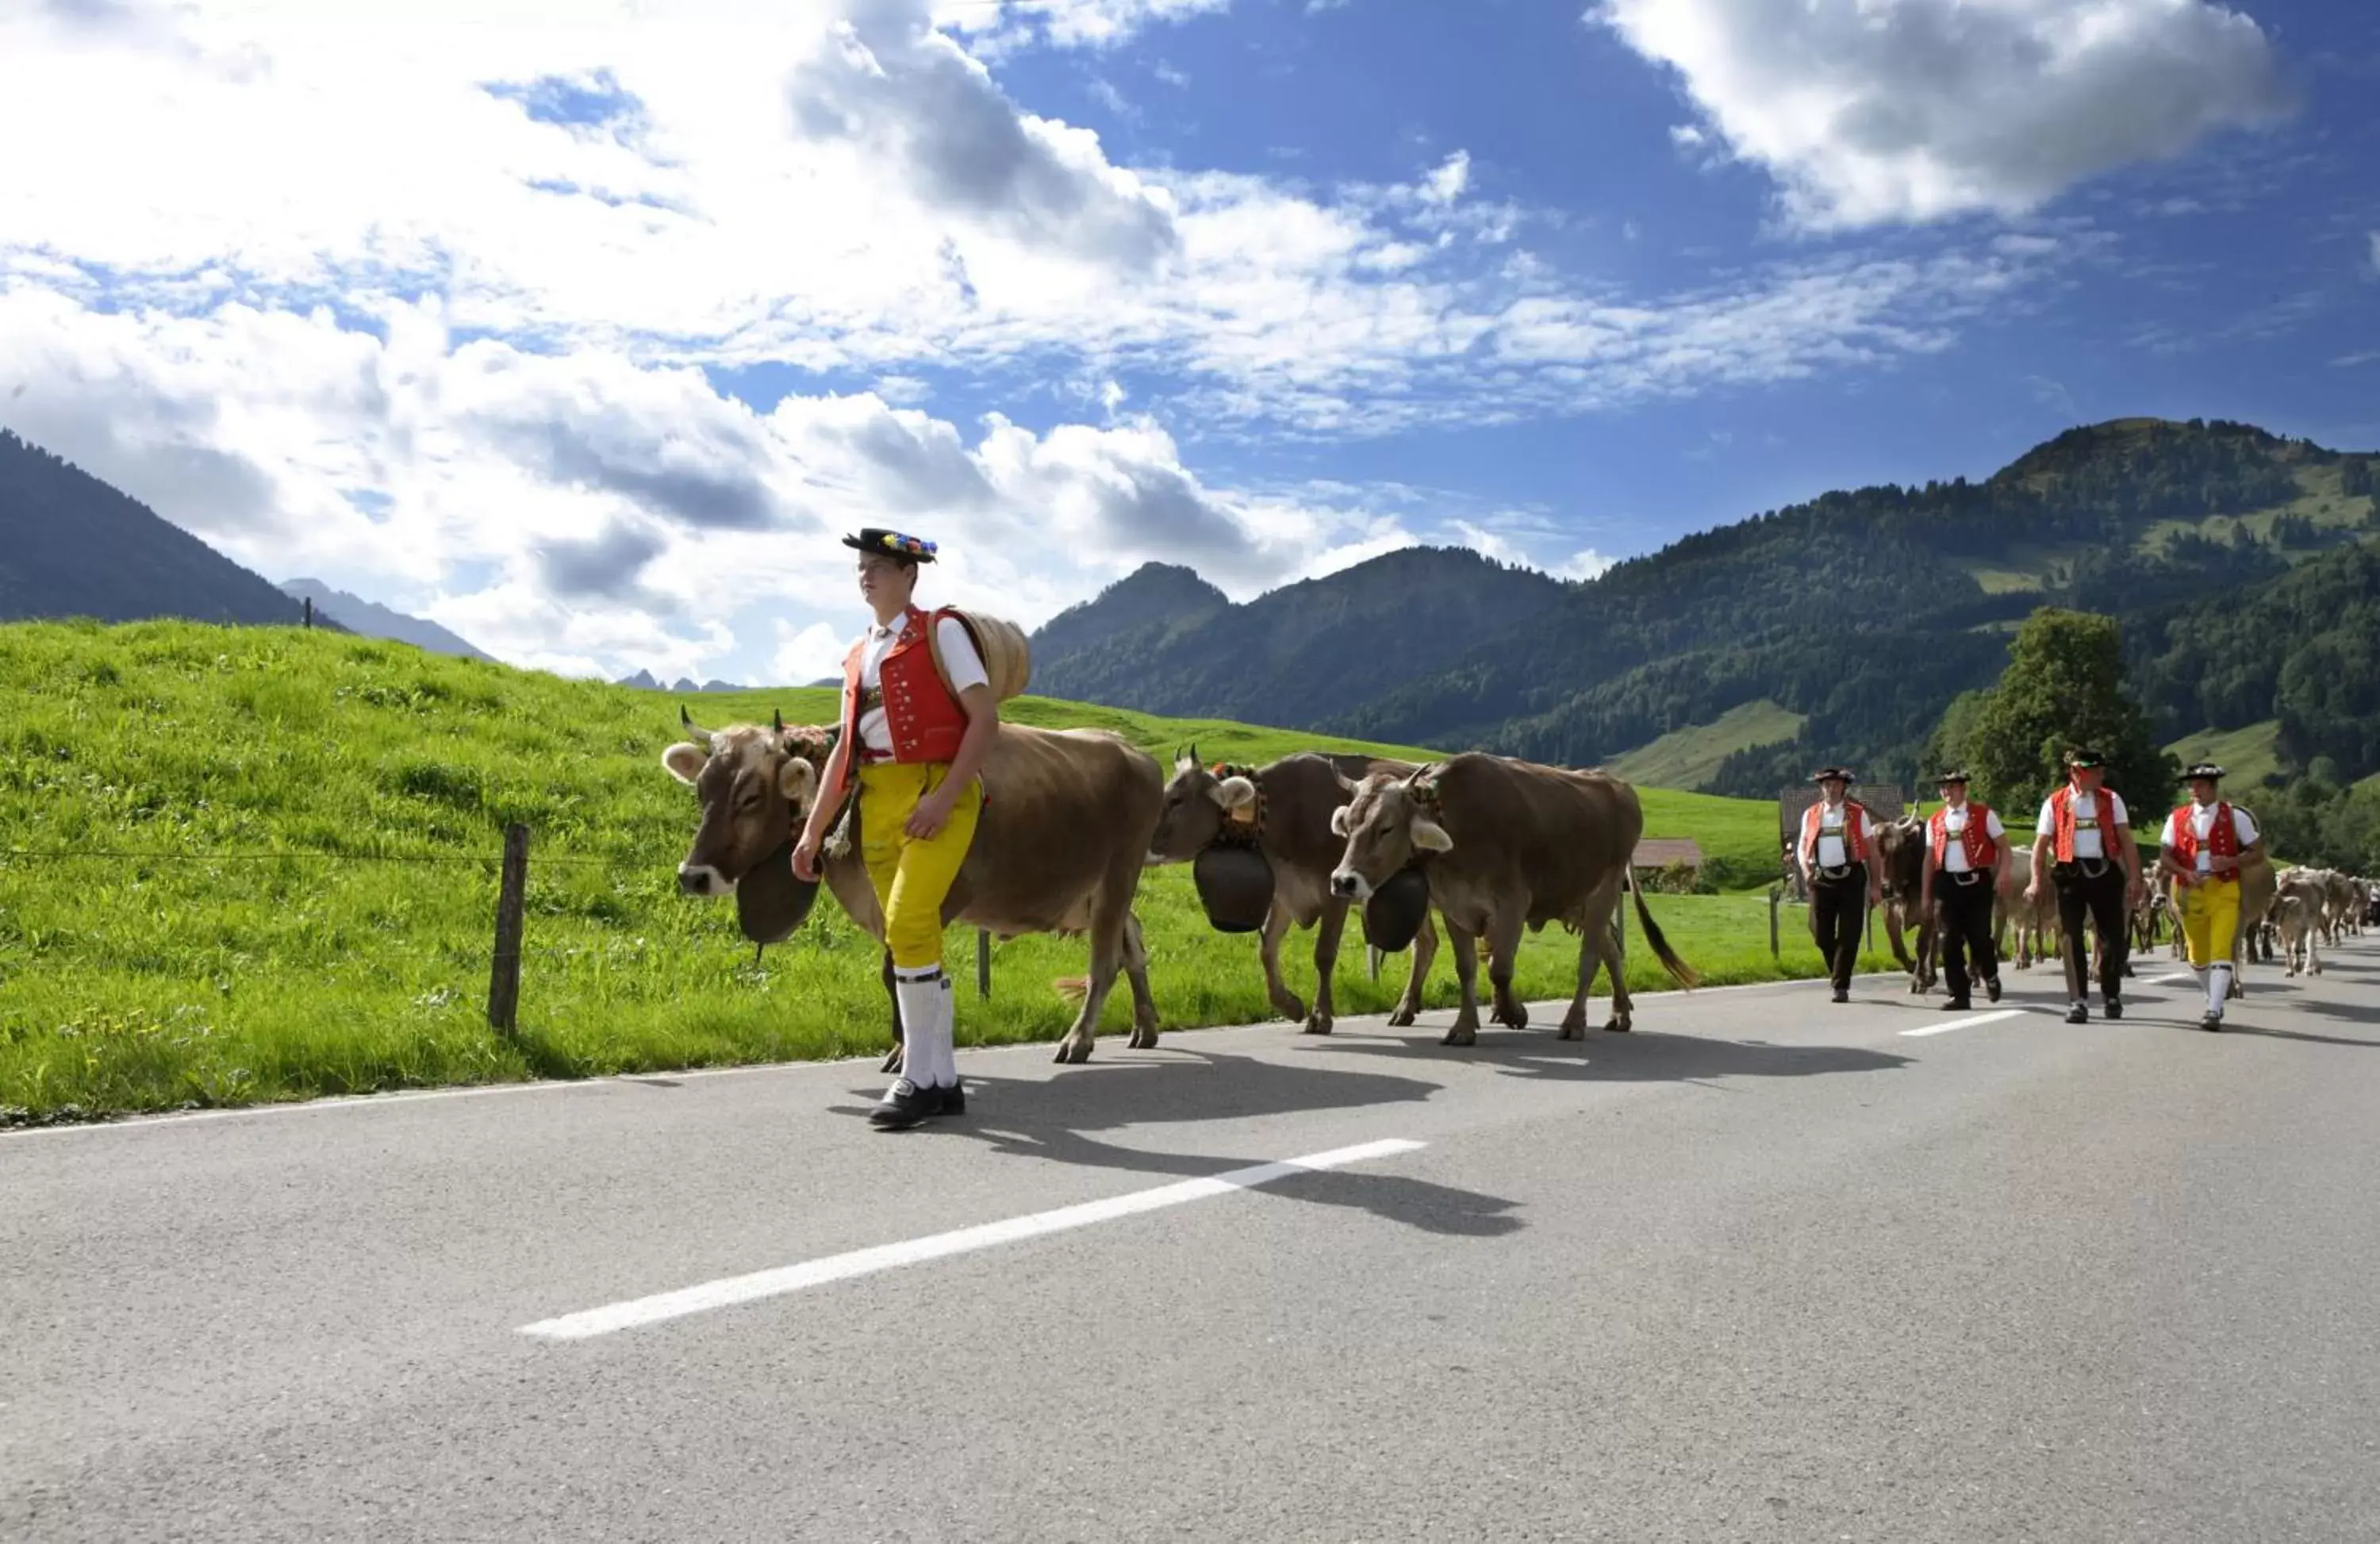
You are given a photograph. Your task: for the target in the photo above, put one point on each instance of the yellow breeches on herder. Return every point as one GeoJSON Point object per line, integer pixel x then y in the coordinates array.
{"type": "Point", "coordinates": [912, 876]}
{"type": "Point", "coordinates": [2210, 917]}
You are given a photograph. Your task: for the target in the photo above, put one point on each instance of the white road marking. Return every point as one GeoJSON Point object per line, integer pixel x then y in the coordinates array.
{"type": "Point", "coordinates": [1967, 1021]}
{"type": "Point", "coordinates": [731, 1290]}
{"type": "Point", "coordinates": [2169, 980]}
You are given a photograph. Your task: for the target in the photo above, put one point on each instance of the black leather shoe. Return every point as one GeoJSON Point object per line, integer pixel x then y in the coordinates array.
{"type": "Point", "coordinates": [1841, 996]}
{"type": "Point", "coordinates": [905, 1104]}
{"type": "Point", "coordinates": [2115, 1008]}
{"type": "Point", "coordinates": [1992, 988]}
{"type": "Point", "coordinates": [954, 1100]}
{"type": "Point", "coordinates": [1957, 1005]}
{"type": "Point", "coordinates": [2078, 1014]}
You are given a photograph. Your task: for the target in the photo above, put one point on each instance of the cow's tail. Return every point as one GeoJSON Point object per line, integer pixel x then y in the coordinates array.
{"type": "Point", "coordinates": [1373, 956]}
{"type": "Point", "coordinates": [1677, 967]}
{"type": "Point", "coordinates": [1074, 989]}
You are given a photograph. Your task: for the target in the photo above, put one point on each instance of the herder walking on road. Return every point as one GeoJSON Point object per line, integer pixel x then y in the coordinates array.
{"type": "Point", "coordinates": [1837, 843]}
{"type": "Point", "coordinates": [2098, 872]}
{"type": "Point", "coordinates": [919, 746]}
{"type": "Point", "coordinates": [2203, 845]}
{"type": "Point", "coordinates": [1966, 868]}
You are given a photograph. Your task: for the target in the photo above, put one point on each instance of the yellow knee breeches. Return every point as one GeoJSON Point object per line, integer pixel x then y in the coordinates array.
{"type": "Point", "coordinates": [2210, 917]}
{"type": "Point", "coordinates": [911, 876]}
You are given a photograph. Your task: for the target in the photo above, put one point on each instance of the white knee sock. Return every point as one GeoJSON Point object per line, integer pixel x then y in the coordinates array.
{"type": "Point", "coordinates": [925, 1033]}
{"type": "Point", "coordinates": [2218, 986]}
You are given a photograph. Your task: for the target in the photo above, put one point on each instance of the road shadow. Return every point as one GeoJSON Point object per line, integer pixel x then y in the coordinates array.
{"type": "Point", "coordinates": [1048, 1118]}
{"type": "Point", "coordinates": [1639, 1056]}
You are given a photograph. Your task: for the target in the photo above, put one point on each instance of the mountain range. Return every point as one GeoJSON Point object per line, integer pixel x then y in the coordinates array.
{"type": "Point", "coordinates": [2244, 565]}
{"type": "Point", "coordinates": [374, 620]}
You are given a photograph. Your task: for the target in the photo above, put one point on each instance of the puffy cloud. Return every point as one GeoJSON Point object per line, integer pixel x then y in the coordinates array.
{"type": "Point", "coordinates": [908, 95]}
{"type": "Point", "coordinates": [1916, 109]}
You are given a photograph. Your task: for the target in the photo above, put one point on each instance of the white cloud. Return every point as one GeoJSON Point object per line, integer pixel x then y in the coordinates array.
{"type": "Point", "coordinates": [1585, 563]}
{"type": "Point", "coordinates": [446, 330]}
{"type": "Point", "coordinates": [1914, 110]}
{"type": "Point", "coordinates": [806, 655]}
{"type": "Point", "coordinates": [1064, 23]}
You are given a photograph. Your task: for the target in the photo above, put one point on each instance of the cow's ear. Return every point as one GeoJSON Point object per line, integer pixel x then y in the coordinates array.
{"type": "Point", "coordinates": [1233, 793]}
{"type": "Point", "coordinates": [797, 779]}
{"type": "Point", "coordinates": [684, 761]}
{"type": "Point", "coordinates": [1428, 835]}
{"type": "Point", "coordinates": [1339, 819]}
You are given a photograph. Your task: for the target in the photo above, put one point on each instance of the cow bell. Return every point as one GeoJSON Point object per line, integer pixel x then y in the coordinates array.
{"type": "Point", "coordinates": [1234, 886]}
{"type": "Point", "coordinates": [1393, 915]}
{"type": "Point", "coordinates": [770, 901]}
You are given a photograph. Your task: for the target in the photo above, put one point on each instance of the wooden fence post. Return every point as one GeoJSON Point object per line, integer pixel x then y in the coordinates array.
{"type": "Point", "coordinates": [309, 611]}
{"type": "Point", "coordinates": [1775, 894]}
{"type": "Point", "coordinates": [982, 963]}
{"type": "Point", "coordinates": [503, 979]}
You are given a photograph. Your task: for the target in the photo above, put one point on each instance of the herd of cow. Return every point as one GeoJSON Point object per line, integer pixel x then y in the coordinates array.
{"type": "Point", "coordinates": [2288, 914]}
{"type": "Point", "coordinates": [1072, 817]}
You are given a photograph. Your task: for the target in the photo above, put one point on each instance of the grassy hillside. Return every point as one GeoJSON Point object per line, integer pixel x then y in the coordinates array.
{"type": "Point", "coordinates": [2247, 756]}
{"type": "Point", "coordinates": [171, 933]}
{"type": "Point", "coordinates": [1687, 757]}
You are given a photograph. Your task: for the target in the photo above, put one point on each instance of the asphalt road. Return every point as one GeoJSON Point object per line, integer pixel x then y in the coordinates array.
{"type": "Point", "coordinates": [1767, 1268]}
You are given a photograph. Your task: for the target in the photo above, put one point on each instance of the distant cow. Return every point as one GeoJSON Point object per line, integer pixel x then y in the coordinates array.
{"type": "Point", "coordinates": [1900, 850]}
{"type": "Point", "coordinates": [1293, 799]}
{"type": "Point", "coordinates": [1506, 846]}
{"type": "Point", "coordinates": [1066, 821]}
{"type": "Point", "coordinates": [2036, 922]}
{"type": "Point", "coordinates": [2298, 906]}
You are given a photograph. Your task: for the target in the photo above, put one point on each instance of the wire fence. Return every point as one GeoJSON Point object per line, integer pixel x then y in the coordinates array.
{"type": "Point", "coordinates": [507, 950]}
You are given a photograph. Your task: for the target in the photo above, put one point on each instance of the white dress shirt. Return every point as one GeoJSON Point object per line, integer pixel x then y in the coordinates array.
{"type": "Point", "coordinates": [959, 657]}
{"type": "Point", "coordinates": [2088, 841]}
{"type": "Point", "coordinates": [2202, 825]}
{"type": "Point", "coordinates": [1954, 821]}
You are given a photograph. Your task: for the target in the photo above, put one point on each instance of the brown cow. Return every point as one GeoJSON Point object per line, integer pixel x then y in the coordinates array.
{"type": "Point", "coordinates": [1506, 844]}
{"type": "Point", "coordinates": [1295, 798]}
{"type": "Point", "coordinates": [1066, 820]}
{"type": "Point", "coordinates": [1900, 850]}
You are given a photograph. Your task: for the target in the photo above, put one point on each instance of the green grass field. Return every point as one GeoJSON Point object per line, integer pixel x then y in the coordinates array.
{"type": "Point", "coordinates": [2247, 756]}
{"type": "Point", "coordinates": [1688, 758]}
{"type": "Point", "coordinates": [155, 954]}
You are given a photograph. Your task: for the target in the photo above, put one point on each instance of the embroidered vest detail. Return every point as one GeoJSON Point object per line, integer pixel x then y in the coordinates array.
{"type": "Point", "coordinates": [1854, 832]}
{"type": "Point", "coordinates": [1975, 840]}
{"type": "Point", "coordinates": [924, 719]}
{"type": "Point", "coordinates": [2061, 813]}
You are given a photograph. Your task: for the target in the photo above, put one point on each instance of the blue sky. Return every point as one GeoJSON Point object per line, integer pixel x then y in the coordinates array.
{"type": "Point", "coordinates": [589, 342]}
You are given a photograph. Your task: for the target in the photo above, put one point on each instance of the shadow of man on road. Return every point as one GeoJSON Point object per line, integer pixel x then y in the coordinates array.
{"type": "Point", "coordinates": [1045, 1118]}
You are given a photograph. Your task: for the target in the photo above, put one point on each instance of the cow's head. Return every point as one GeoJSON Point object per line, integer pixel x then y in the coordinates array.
{"type": "Point", "coordinates": [755, 784]}
{"type": "Point", "coordinates": [1389, 822]}
{"type": "Point", "coordinates": [1198, 802]}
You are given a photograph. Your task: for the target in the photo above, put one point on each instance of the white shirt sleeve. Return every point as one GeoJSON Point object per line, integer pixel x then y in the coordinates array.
{"type": "Point", "coordinates": [2123, 818]}
{"type": "Point", "coordinates": [2243, 825]}
{"type": "Point", "coordinates": [2047, 825]}
{"type": "Point", "coordinates": [2170, 835]}
{"type": "Point", "coordinates": [1993, 828]}
{"type": "Point", "coordinates": [959, 658]}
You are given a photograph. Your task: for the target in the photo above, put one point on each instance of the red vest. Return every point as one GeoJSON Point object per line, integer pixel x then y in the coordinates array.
{"type": "Point", "coordinates": [925, 718]}
{"type": "Point", "coordinates": [1854, 832]}
{"type": "Point", "coordinates": [2222, 840]}
{"type": "Point", "coordinates": [2061, 815]}
{"type": "Point", "coordinates": [1975, 840]}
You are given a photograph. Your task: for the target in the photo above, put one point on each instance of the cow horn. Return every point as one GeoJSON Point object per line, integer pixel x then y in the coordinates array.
{"type": "Point", "coordinates": [779, 720]}
{"type": "Point", "coordinates": [701, 736]}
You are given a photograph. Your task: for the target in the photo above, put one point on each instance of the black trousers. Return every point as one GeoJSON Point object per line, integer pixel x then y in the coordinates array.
{"type": "Point", "coordinates": [1837, 916]}
{"type": "Point", "coordinates": [2101, 898]}
{"type": "Point", "coordinates": [1962, 920]}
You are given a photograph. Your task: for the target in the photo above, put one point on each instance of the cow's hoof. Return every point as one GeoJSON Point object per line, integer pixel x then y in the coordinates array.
{"type": "Point", "coordinates": [1514, 1017]}
{"type": "Point", "coordinates": [1460, 1035]}
{"type": "Point", "coordinates": [1619, 1027]}
{"type": "Point", "coordinates": [1403, 1018]}
{"type": "Point", "coordinates": [1071, 1051]}
{"type": "Point", "coordinates": [1318, 1023]}
{"type": "Point", "coordinates": [1143, 1037]}
{"type": "Point", "coordinates": [892, 1061]}
{"type": "Point", "coordinates": [1571, 1030]}
{"type": "Point", "coordinates": [1289, 1008]}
